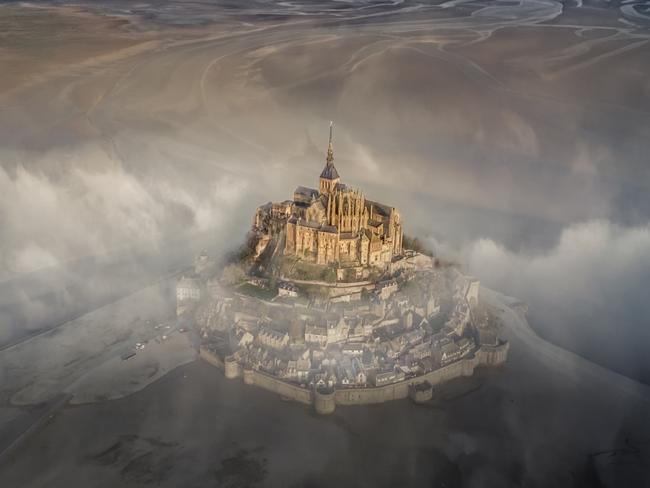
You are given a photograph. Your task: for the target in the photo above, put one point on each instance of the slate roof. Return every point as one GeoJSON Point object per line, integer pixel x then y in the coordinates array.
{"type": "Point", "coordinates": [305, 192]}
{"type": "Point", "coordinates": [329, 172]}
{"type": "Point", "coordinates": [380, 208]}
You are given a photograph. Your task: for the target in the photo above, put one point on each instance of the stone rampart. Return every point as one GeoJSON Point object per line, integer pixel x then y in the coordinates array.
{"type": "Point", "coordinates": [336, 289]}
{"type": "Point", "coordinates": [397, 391]}
{"type": "Point", "coordinates": [282, 388]}
{"type": "Point", "coordinates": [494, 355]}
{"type": "Point", "coordinates": [210, 357]}
{"type": "Point", "coordinates": [342, 289]}
{"type": "Point", "coordinates": [232, 369]}
{"type": "Point", "coordinates": [249, 377]}
{"type": "Point", "coordinates": [365, 396]}
{"type": "Point", "coordinates": [325, 402]}
{"type": "Point", "coordinates": [421, 392]}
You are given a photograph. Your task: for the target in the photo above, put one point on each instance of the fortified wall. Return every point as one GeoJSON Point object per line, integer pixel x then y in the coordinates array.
{"type": "Point", "coordinates": [211, 358]}
{"type": "Point", "coordinates": [325, 400]}
{"type": "Point", "coordinates": [336, 289]}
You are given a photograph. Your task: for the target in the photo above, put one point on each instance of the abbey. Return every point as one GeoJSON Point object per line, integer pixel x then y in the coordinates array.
{"type": "Point", "coordinates": [324, 306]}
{"type": "Point", "coordinates": [335, 224]}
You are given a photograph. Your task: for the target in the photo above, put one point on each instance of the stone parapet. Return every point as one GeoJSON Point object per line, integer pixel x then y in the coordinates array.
{"type": "Point", "coordinates": [325, 401]}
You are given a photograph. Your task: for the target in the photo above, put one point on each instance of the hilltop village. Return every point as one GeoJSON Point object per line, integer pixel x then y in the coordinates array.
{"type": "Point", "coordinates": [326, 304]}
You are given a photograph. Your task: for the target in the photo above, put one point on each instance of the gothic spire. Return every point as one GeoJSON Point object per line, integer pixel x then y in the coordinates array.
{"type": "Point", "coordinates": [329, 176]}
{"type": "Point", "coordinates": [330, 148]}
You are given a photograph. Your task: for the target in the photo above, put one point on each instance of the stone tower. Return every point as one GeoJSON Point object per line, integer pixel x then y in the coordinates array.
{"type": "Point", "coordinates": [329, 177]}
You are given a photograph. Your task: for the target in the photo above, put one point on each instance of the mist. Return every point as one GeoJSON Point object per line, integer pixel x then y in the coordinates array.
{"type": "Point", "coordinates": [512, 137]}
{"type": "Point", "coordinates": [587, 293]}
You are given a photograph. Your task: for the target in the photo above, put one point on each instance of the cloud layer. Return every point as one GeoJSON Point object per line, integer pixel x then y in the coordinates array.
{"type": "Point", "coordinates": [75, 211]}
{"type": "Point", "coordinates": [588, 293]}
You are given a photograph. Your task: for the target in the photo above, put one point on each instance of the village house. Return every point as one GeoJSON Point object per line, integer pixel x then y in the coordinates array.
{"type": "Point", "coordinates": [273, 339]}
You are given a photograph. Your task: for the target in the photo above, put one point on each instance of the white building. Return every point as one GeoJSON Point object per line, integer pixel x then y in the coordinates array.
{"type": "Point", "coordinates": [388, 377]}
{"type": "Point", "coordinates": [188, 293]}
{"type": "Point", "coordinates": [287, 290]}
{"type": "Point", "coordinates": [188, 289]}
{"type": "Point", "coordinates": [354, 349]}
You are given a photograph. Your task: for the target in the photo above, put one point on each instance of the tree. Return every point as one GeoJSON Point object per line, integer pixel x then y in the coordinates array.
{"type": "Point", "coordinates": [233, 274]}
{"type": "Point", "coordinates": [329, 274]}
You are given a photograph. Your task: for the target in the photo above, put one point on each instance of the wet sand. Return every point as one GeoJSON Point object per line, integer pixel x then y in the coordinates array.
{"type": "Point", "coordinates": [525, 424]}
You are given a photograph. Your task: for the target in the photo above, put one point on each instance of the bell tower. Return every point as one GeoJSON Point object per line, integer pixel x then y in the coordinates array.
{"type": "Point", "coordinates": [329, 177]}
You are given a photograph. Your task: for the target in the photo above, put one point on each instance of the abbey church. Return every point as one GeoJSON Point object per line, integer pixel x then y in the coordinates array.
{"type": "Point", "coordinates": [333, 224]}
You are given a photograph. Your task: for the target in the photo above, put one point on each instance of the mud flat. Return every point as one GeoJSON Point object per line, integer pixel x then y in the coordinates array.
{"type": "Point", "coordinates": [528, 422]}
{"type": "Point", "coordinates": [119, 377]}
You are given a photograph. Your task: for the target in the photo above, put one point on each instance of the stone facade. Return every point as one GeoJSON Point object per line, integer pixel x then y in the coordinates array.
{"type": "Point", "coordinates": [332, 225]}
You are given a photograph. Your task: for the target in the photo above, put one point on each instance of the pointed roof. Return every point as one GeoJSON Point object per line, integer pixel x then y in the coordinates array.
{"type": "Point", "coordinates": [329, 171]}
